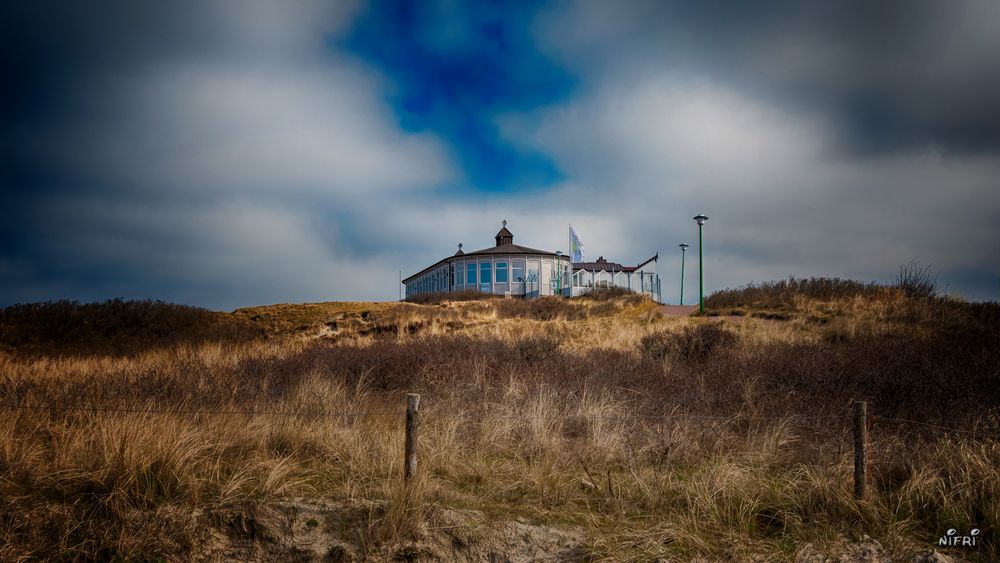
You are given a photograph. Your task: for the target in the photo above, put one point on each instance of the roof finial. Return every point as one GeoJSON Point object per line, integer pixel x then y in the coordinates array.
{"type": "Point", "coordinates": [460, 246]}
{"type": "Point", "coordinates": [504, 222]}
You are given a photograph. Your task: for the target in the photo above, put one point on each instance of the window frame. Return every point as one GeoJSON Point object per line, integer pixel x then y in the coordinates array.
{"type": "Point", "coordinates": [486, 267]}
{"type": "Point", "coordinates": [498, 267]}
{"type": "Point", "coordinates": [518, 265]}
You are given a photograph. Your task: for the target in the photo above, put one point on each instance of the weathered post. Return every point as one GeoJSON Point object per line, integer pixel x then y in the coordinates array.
{"type": "Point", "coordinates": [860, 439]}
{"type": "Point", "coordinates": [412, 424]}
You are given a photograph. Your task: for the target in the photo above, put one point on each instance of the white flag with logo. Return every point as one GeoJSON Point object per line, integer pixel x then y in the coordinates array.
{"type": "Point", "coordinates": [575, 245]}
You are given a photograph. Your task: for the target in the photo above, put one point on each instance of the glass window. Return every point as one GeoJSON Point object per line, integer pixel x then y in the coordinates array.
{"type": "Point", "coordinates": [485, 276]}
{"type": "Point", "coordinates": [470, 273]}
{"type": "Point", "coordinates": [454, 275]}
{"type": "Point", "coordinates": [517, 272]}
{"type": "Point", "coordinates": [501, 272]}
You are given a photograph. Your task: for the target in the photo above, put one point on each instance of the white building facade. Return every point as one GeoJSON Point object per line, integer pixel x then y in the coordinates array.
{"type": "Point", "coordinates": [518, 271]}
{"type": "Point", "coordinates": [504, 269]}
{"type": "Point", "coordinates": [643, 278]}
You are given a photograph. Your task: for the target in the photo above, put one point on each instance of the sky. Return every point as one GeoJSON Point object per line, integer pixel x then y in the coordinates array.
{"type": "Point", "coordinates": [230, 153]}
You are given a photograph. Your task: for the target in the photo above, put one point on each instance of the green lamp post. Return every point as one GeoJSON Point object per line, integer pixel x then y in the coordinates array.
{"type": "Point", "coordinates": [700, 219]}
{"type": "Point", "coordinates": [559, 271]}
{"type": "Point", "coordinates": [684, 246]}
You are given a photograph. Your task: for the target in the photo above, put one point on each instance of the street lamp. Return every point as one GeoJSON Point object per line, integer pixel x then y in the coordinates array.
{"type": "Point", "coordinates": [684, 246]}
{"type": "Point", "coordinates": [700, 219]}
{"type": "Point", "coordinates": [559, 271]}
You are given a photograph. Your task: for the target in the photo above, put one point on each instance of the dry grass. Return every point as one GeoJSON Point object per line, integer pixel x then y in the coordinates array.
{"type": "Point", "coordinates": [115, 327]}
{"type": "Point", "coordinates": [626, 424]}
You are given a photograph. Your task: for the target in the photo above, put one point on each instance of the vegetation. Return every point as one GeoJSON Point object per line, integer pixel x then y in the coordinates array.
{"type": "Point", "coordinates": [113, 327]}
{"type": "Point", "coordinates": [433, 298]}
{"type": "Point", "coordinates": [651, 436]}
{"type": "Point", "coordinates": [787, 293]}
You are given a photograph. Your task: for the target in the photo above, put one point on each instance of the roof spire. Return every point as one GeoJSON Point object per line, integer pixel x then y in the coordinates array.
{"type": "Point", "coordinates": [504, 236]}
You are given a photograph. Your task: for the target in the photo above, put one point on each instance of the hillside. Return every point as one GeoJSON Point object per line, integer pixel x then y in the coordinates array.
{"type": "Point", "coordinates": [579, 429]}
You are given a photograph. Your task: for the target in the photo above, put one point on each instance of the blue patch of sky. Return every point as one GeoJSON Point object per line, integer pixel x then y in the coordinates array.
{"type": "Point", "coordinates": [456, 66]}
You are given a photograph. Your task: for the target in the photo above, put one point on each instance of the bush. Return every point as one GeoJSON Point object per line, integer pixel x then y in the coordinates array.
{"type": "Point", "coordinates": [782, 294]}
{"type": "Point", "coordinates": [913, 281]}
{"type": "Point", "coordinates": [542, 309]}
{"type": "Point", "coordinates": [113, 327]}
{"type": "Point", "coordinates": [442, 296]}
{"type": "Point", "coordinates": [693, 344]}
{"type": "Point", "coordinates": [916, 282]}
{"type": "Point", "coordinates": [614, 294]}
{"type": "Point", "coordinates": [535, 348]}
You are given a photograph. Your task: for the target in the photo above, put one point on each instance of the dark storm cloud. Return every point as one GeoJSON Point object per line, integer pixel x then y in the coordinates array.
{"type": "Point", "coordinates": [823, 138]}
{"type": "Point", "coordinates": [233, 152]}
{"type": "Point", "coordinates": [896, 74]}
{"type": "Point", "coordinates": [193, 151]}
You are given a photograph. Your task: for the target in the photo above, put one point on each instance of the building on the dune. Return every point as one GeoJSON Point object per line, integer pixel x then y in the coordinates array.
{"type": "Point", "coordinates": [588, 276]}
{"type": "Point", "coordinates": [518, 271]}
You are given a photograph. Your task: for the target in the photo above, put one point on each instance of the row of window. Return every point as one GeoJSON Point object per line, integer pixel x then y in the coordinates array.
{"type": "Point", "coordinates": [432, 281]}
{"type": "Point", "coordinates": [483, 274]}
{"type": "Point", "coordinates": [488, 274]}
{"type": "Point", "coordinates": [642, 281]}
{"type": "Point", "coordinates": [497, 272]}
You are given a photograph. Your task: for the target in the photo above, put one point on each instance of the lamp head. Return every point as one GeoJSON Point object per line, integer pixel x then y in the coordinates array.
{"type": "Point", "coordinates": [684, 246]}
{"type": "Point", "coordinates": [700, 219]}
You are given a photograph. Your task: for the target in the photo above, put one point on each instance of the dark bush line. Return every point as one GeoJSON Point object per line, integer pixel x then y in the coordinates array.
{"type": "Point", "coordinates": [949, 378]}
{"type": "Point", "coordinates": [437, 297]}
{"type": "Point", "coordinates": [542, 309]}
{"type": "Point", "coordinates": [117, 327]}
{"type": "Point", "coordinates": [693, 343]}
{"type": "Point", "coordinates": [916, 282]}
{"type": "Point", "coordinates": [614, 294]}
{"type": "Point", "coordinates": [782, 294]}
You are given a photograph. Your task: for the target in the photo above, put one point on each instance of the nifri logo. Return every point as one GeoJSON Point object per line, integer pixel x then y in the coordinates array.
{"type": "Point", "coordinates": [952, 539]}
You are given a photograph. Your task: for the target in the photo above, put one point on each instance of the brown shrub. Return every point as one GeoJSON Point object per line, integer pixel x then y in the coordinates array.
{"type": "Point", "coordinates": [783, 294]}
{"type": "Point", "coordinates": [916, 282]}
{"type": "Point", "coordinates": [444, 296]}
{"type": "Point", "coordinates": [542, 309]}
{"type": "Point", "coordinates": [114, 327]}
{"type": "Point", "coordinates": [619, 294]}
{"type": "Point", "coordinates": [693, 344]}
{"type": "Point", "coordinates": [512, 423]}
{"type": "Point", "coordinates": [535, 348]}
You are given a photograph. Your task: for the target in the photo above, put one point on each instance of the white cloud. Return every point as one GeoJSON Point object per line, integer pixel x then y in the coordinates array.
{"type": "Point", "coordinates": [210, 175]}
{"type": "Point", "coordinates": [217, 168]}
{"type": "Point", "coordinates": [650, 152]}
{"type": "Point", "coordinates": [316, 127]}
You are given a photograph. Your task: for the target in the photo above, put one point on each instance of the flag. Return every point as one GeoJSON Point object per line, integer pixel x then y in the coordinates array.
{"type": "Point", "coordinates": [575, 245]}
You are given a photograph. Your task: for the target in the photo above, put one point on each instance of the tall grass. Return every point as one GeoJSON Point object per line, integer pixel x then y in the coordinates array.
{"type": "Point", "coordinates": [115, 327]}
{"type": "Point", "coordinates": [786, 293]}
{"type": "Point", "coordinates": [676, 438]}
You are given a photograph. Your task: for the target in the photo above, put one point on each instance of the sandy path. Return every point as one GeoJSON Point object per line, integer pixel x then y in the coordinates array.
{"type": "Point", "coordinates": [677, 310]}
{"type": "Point", "coordinates": [686, 310]}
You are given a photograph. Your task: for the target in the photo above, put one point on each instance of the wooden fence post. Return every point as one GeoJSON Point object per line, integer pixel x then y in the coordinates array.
{"type": "Point", "coordinates": [860, 439]}
{"type": "Point", "coordinates": [412, 424]}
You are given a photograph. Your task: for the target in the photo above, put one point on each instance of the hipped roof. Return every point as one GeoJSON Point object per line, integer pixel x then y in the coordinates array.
{"type": "Point", "coordinates": [602, 265]}
{"type": "Point", "coordinates": [508, 249]}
